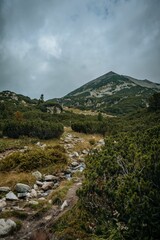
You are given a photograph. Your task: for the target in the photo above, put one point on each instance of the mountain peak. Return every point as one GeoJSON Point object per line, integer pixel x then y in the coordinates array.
{"type": "Point", "coordinates": [112, 92]}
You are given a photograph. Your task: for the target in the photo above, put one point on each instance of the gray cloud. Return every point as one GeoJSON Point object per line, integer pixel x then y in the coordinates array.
{"type": "Point", "coordinates": [53, 47]}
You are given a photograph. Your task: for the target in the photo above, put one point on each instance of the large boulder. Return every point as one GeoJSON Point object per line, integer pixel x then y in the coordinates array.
{"type": "Point", "coordinates": [22, 188]}
{"type": "Point", "coordinates": [6, 226]}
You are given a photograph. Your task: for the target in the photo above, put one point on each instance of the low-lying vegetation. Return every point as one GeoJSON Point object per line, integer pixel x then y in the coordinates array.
{"type": "Point", "coordinates": [120, 196]}
{"type": "Point", "coordinates": [39, 129]}
{"type": "Point", "coordinates": [34, 159]}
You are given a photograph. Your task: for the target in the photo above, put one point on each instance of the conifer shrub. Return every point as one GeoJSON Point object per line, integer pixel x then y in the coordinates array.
{"type": "Point", "coordinates": [34, 159]}
{"type": "Point", "coordinates": [39, 129]}
{"type": "Point", "coordinates": [90, 127]}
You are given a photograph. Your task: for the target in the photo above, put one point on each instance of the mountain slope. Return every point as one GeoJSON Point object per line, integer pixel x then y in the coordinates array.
{"type": "Point", "coordinates": [114, 93]}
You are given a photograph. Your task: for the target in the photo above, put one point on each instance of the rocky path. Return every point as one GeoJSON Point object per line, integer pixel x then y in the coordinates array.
{"type": "Point", "coordinates": [36, 227]}
{"type": "Point", "coordinates": [34, 230]}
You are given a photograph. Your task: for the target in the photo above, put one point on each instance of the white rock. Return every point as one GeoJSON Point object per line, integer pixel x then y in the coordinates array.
{"type": "Point", "coordinates": [33, 193]}
{"type": "Point", "coordinates": [39, 183]}
{"type": "Point", "coordinates": [64, 205]}
{"type": "Point", "coordinates": [41, 199]}
{"type": "Point", "coordinates": [11, 196]}
{"type": "Point", "coordinates": [75, 154]}
{"type": "Point", "coordinates": [6, 226]}
{"type": "Point", "coordinates": [34, 202]}
{"type": "Point", "coordinates": [35, 187]}
{"type": "Point", "coordinates": [74, 164]}
{"type": "Point", "coordinates": [37, 175]}
{"type": "Point", "coordinates": [85, 151]}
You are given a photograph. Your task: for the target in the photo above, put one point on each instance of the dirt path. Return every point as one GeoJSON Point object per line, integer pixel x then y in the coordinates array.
{"type": "Point", "coordinates": [36, 226]}
{"type": "Point", "coordinates": [38, 229]}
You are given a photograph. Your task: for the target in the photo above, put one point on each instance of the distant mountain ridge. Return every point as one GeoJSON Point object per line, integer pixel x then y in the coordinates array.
{"type": "Point", "coordinates": [112, 93]}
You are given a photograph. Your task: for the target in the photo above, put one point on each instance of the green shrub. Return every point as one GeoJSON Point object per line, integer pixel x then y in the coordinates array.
{"type": "Point", "coordinates": [34, 159]}
{"type": "Point", "coordinates": [39, 129]}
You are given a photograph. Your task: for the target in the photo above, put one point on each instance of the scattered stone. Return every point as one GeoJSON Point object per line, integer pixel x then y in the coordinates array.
{"type": "Point", "coordinates": [38, 144]}
{"type": "Point", "coordinates": [37, 175]}
{"type": "Point", "coordinates": [50, 201]}
{"type": "Point", "coordinates": [22, 195]}
{"type": "Point", "coordinates": [33, 202]}
{"type": "Point", "coordinates": [35, 187]}
{"type": "Point", "coordinates": [2, 204]}
{"type": "Point", "coordinates": [17, 208]}
{"type": "Point", "coordinates": [39, 183]}
{"type": "Point", "coordinates": [4, 189]}
{"type": "Point", "coordinates": [22, 188]}
{"type": "Point", "coordinates": [50, 178]}
{"type": "Point", "coordinates": [33, 193]}
{"type": "Point", "coordinates": [75, 154]}
{"type": "Point", "coordinates": [85, 151]}
{"type": "Point", "coordinates": [41, 199]}
{"type": "Point", "coordinates": [6, 226]}
{"type": "Point", "coordinates": [11, 196]}
{"type": "Point", "coordinates": [43, 146]}
{"type": "Point", "coordinates": [47, 218]}
{"type": "Point", "coordinates": [64, 205]}
{"type": "Point", "coordinates": [74, 164]}
{"type": "Point", "coordinates": [101, 142]}
{"type": "Point", "coordinates": [47, 185]}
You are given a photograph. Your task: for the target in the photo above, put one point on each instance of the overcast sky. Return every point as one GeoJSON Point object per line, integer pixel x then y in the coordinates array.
{"type": "Point", "coordinates": [54, 46]}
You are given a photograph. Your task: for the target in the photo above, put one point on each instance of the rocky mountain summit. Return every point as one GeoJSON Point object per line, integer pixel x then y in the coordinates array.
{"type": "Point", "coordinates": [113, 93]}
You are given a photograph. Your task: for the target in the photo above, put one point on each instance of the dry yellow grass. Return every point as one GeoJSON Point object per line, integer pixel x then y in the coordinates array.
{"type": "Point", "coordinates": [10, 179]}
{"type": "Point", "coordinates": [86, 112]}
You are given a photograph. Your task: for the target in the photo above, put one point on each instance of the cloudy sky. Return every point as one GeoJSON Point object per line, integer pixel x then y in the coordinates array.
{"type": "Point", "coordinates": [55, 46]}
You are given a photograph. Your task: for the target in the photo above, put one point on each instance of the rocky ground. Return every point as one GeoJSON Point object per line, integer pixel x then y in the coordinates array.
{"type": "Point", "coordinates": [34, 205]}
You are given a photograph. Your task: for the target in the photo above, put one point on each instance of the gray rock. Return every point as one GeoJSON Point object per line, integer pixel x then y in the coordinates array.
{"type": "Point", "coordinates": [47, 185]}
{"type": "Point", "coordinates": [4, 189]}
{"type": "Point", "coordinates": [22, 188]}
{"type": "Point", "coordinates": [2, 203]}
{"type": "Point", "coordinates": [6, 226]}
{"type": "Point", "coordinates": [33, 193]}
{"type": "Point", "coordinates": [22, 195]}
{"type": "Point", "coordinates": [50, 178]}
{"type": "Point", "coordinates": [39, 183]}
{"type": "Point", "coordinates": [37, 175]}
{"type": "Point", "coordinates": [74, 164]}
{"type": "Point", "coordinates": [11, 196]}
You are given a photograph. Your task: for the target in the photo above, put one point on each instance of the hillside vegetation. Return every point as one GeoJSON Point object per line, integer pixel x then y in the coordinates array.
{"type": "Point", "coordinates": [120, 195]}
{"type": "Point", "coordinates": [112, 93]}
